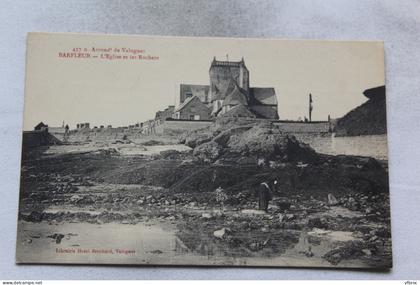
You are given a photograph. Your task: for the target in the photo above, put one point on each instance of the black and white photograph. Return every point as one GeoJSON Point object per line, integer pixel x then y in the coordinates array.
{"type": "Point", "coordinates": [148, 150]}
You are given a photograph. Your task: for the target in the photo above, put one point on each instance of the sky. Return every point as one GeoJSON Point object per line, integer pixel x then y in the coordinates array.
{"type": "Point", "coordinates": [123, 92]}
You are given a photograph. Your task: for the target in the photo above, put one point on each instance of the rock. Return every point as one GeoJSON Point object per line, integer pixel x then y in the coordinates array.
{"type": "Point", "coordinates": [307, 253]}
{"type": "Point", "coordinates": [209, 151]}
{"type": "Point", "coordinates": [367, 252]}
{"type": "Point", "coordinates": [283, 205]}
{"type": "Point", "coordinates": [170, 154]}
{"type": "Point", "coordinates": [35, 216]}
{"type": "Point", "coordinates": [332, 201]}
{"type": "Point", "coordinates": [156, 251]}
{"type": "Point", "coordinates": [75, 198]}
{"type": "Point", "coordinates": [57, 237]}
{"type": "Point", "coordinates": [220, 234]}
{"type": "Point", "coordinates": [140, 202]}
{"type": "Point", "coordinates": [318, 232]}
{"type": "Point", "coordinates": [253, 212]}
{"type": "Point", "coordinates": [254, 246]}
{"type": "Point", "coordinates": [87, 200]}
{"type": "Point", "coordinates": [290, 216]}
{"type": "Point", "coordinates": [369, 210]}
{"type": "Point", "coordinates": [206, 216]}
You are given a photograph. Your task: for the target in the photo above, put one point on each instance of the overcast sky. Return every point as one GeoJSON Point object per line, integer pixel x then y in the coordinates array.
{"type": "Point", "coordinates": [120, 92]}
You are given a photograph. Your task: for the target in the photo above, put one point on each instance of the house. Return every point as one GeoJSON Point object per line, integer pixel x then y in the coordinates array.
{"type": "Point", "coordinates": [192, 109]}
{"type": "Point", "coordinates": [41, 127]}
{"type": "Point", "coordinates": [165, 114]}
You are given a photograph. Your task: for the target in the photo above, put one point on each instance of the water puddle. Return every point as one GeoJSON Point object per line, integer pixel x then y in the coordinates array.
{"type": "Point", "coordinates": [163, 243]}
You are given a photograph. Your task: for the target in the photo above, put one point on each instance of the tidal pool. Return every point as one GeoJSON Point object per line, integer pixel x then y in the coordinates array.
{"type": "Point", "coordinates": [162, 243]}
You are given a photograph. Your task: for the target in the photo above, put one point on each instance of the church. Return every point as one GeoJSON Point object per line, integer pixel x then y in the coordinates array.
{"type": "Point", "coordinates": [228, 95]}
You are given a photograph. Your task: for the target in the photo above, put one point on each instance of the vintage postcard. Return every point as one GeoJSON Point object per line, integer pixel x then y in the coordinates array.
{"type": "Point", "coordinates": [204, 151]}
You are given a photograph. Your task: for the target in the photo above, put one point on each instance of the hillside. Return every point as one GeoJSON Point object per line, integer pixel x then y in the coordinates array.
{"type": "Point", "coordinates": [367, 119]}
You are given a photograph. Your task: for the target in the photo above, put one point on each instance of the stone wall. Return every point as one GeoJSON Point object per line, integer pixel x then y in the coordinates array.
{"type": "Point", "coordinates": [304, 127]}
{"type": "Point", "coordinates": [375, 146]}
{"type": "Point", "coordinates": [180, 126]}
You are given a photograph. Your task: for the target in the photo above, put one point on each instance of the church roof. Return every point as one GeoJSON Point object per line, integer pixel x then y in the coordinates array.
{"type": "Point", "coordinates": [263, 96]}
{"type": "Point", "coordinates": [236, 97]}
{"type": "Point", "coordinates": [201, 91]}
{"type": "Point", "coordinates": [239, 111]}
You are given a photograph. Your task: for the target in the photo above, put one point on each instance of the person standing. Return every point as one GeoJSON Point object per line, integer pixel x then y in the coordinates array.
{"type": "Point", "coordinates": [264, 195]}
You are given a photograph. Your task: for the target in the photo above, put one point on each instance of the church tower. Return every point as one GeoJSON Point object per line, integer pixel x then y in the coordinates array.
{"type": "Point", "coordinates": [224, 75]}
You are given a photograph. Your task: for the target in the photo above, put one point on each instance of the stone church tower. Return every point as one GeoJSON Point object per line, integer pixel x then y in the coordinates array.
{"type": "Point", "coordinates": [224, 76]}
{"type": "Point", "coordinates": [228, 94]}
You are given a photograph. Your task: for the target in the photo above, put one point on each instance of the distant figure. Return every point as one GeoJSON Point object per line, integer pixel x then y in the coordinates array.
{"type": "Point", "coordinates": [264, 195]}
{"type": "Point", "coordinates": [274, 187]}
{"type": "Point", "coordinates": [221, 197]}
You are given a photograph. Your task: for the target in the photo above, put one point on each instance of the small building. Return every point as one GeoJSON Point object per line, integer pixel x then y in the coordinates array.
{"type": "Point", "coordinates": [41, 127]}
{"type": "Point", "coordinates": [165, 114]}
{"type": "Point", "coordinates": [192, 109]}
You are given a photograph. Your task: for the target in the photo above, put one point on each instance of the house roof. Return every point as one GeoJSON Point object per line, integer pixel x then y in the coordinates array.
{"type": "Point", "coordinates": [239, 111]}
{"type": "Point", "coordinates": [263, 96]}
{"type": "Point", "coordinates": [41, 125]}
{"type": "Point", "coordinates": [185, 103]}
{"type": "Point", "coordinates": [236, 97]}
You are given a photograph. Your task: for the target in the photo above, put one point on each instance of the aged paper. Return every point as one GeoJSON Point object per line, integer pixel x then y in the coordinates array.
{"type": "Point", "coordinates": [204, 151]}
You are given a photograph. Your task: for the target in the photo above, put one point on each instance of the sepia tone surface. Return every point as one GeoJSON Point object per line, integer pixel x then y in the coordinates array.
{"type": "Point", "coordinates": [195, 151]}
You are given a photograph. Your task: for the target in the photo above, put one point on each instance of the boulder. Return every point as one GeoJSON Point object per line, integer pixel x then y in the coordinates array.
{"type": "Point", "coordinates": [220, 234]}
{"type": "Point", "coordinates": [206, 216]}
{"type": "Point", "coordinates": [208, 152]}
{"type": "Point", "coordinates": [332, 201]}
{"type": "Point", "coordinates": [75, 198]}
